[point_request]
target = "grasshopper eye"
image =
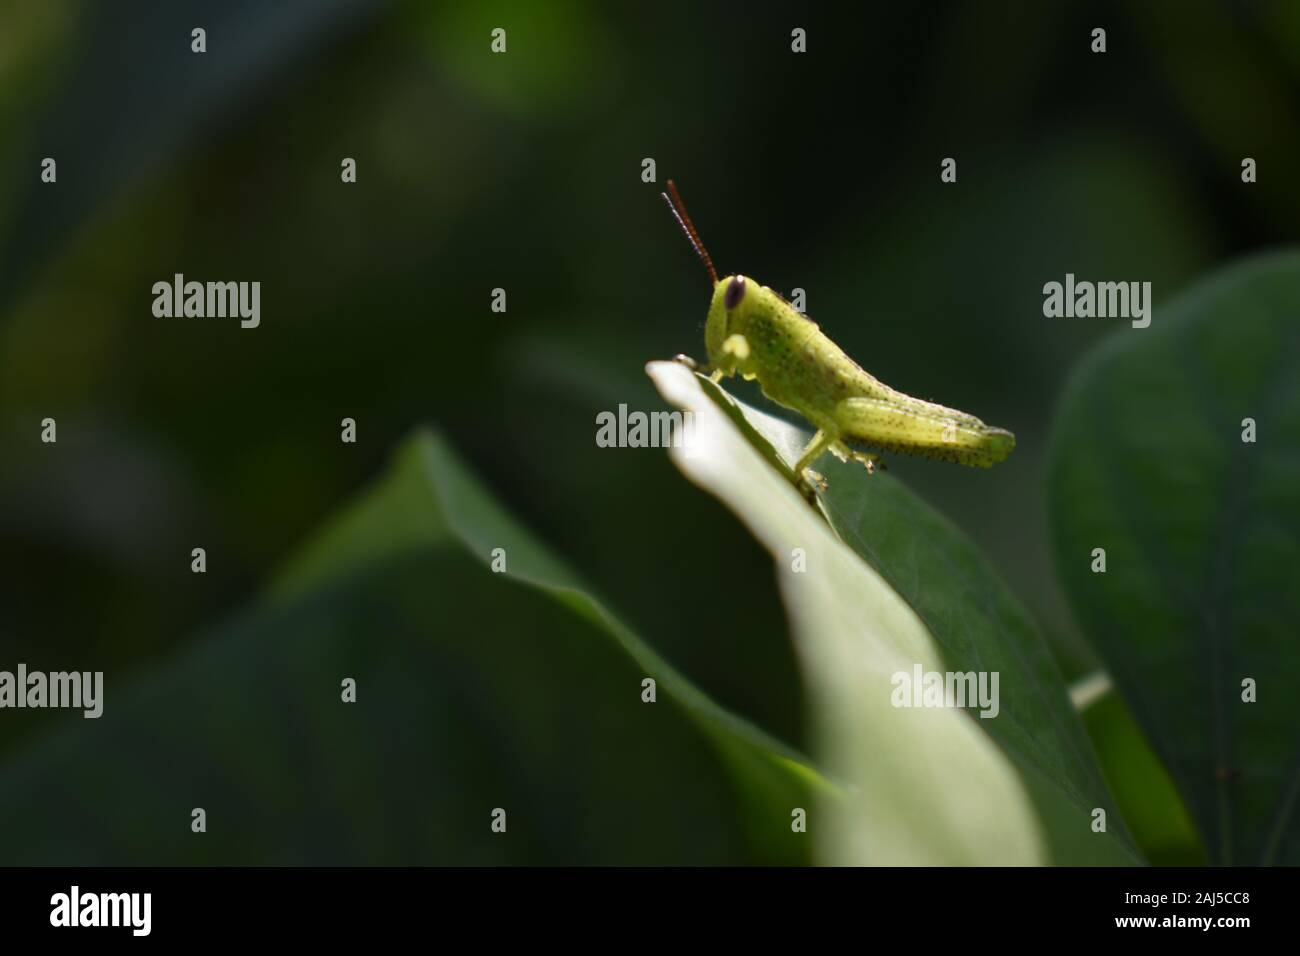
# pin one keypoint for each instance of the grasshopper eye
(735, 292)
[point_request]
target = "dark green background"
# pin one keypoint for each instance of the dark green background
(522, 171)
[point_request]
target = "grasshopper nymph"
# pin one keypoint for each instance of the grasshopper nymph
(752, 331)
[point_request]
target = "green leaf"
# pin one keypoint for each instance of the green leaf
(1146, 796)
(979, 625)
(475, 691)
(1201, 533)
(970, 622)
(924, 785)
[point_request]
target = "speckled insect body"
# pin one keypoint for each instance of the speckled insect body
(753, 332)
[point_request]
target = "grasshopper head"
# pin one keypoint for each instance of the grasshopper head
(732, 298)
(735, 298)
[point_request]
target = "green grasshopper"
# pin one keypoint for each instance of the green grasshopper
(752, 331)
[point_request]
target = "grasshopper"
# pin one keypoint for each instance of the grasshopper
(754, 332)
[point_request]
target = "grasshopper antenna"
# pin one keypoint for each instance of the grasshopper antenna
(674, 200)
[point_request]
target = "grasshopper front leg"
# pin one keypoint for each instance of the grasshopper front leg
(715, 374)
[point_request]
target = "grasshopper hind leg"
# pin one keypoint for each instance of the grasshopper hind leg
(810, 482)
(869, 460)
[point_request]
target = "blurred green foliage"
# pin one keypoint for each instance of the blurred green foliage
(474, 691)
(1201, 533)
(1151, 805)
